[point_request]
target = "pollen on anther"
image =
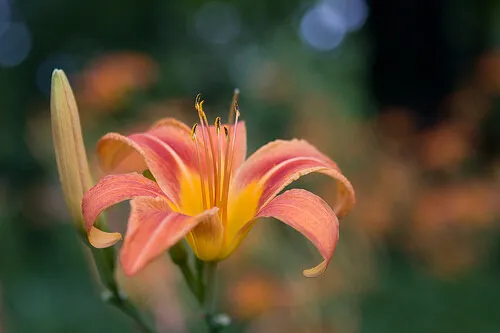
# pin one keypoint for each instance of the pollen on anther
(217, 124)
(198, 104)
(226, 131)
(193, 131)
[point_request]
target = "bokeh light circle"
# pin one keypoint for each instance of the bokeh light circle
(322, 28)
(15, 44)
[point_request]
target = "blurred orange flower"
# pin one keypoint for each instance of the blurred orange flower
(108, 79)
(255, 294)
(445, 147)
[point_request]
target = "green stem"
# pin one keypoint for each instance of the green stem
(128, 308)
(201, 282)
(179, 255)
(210, 290)
(210, 294)
(200, 269)
(104, 260)
(191, 282)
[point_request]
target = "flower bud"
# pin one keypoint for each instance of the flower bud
(71, 158)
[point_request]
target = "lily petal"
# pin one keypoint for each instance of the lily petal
(118, 156)
(311, 216)
(153, 228)
(207, 238)
(240, 146)
(111, 190)
(177, 135)
(101, 239)
(279, 163)
(166, 165)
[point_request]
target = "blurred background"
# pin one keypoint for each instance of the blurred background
(402, 94)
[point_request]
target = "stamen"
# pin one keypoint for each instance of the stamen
(204, 130)
(232, 107)
(219, 164)
(202, 172)
(225, 183)
(217, 124)
(213, 178)
(214, 163)
(193, 131)
(235, 131)
(198, 102)
(229, 160)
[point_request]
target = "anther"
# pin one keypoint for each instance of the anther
(193, 131)
(234, 103)
(217, 124)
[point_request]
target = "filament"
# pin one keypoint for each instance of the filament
(218, 186)
(204, 131)
(216, 174)
(212, 151)
(229, 161)
(202, 172)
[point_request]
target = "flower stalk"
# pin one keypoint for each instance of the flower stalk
(202, 284)
(210, 298)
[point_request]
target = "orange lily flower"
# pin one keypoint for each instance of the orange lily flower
(205, 190)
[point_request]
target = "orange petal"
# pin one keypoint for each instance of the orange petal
(119, 156)
(101, 239)
(153, 228)
(207, 238)
(311, 216)
(163, 161)
(279, 163)
(176, 135)
(113, 189)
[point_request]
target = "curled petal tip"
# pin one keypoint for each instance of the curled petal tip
(311, 216)
(316, 271)
(101, 239)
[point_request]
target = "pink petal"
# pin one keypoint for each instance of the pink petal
(279, 163)
(177, 135)
(119, 156)
(311, 216)
(113, 189)
(153, 228)
(161, 159)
